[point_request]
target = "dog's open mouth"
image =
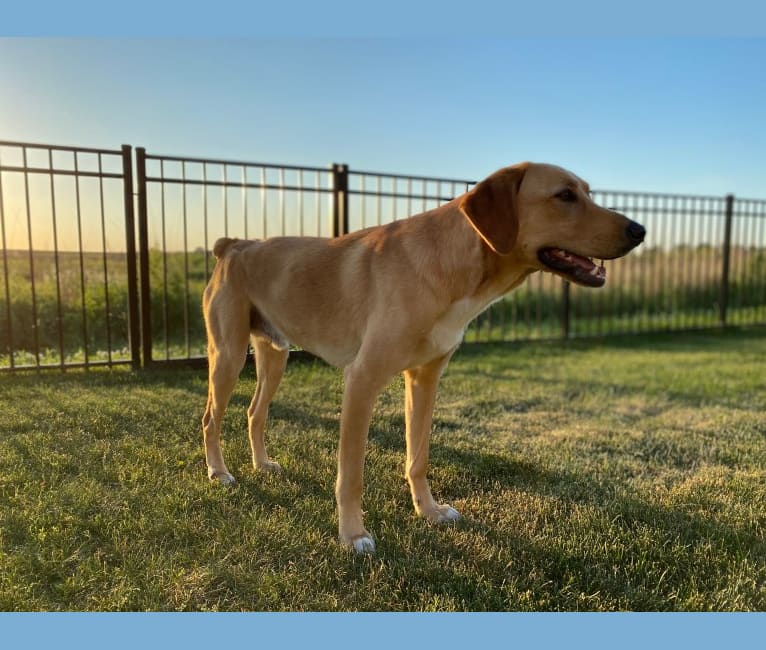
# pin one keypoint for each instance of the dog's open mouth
(575, 268)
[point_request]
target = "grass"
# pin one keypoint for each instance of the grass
(621, 474)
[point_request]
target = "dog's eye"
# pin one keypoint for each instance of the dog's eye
(568, 196)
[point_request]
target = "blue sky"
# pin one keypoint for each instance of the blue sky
(655, 114)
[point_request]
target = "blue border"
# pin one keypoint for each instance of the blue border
(364, 18)
(356, 18)
(384, 631)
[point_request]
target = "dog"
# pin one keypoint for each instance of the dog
(390, 299)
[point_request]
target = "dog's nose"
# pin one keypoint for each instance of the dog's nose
(635, 232)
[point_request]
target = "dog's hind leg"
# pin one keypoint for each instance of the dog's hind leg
(227, 347)
(270, 364)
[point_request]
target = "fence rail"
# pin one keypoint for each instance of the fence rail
(105, 253)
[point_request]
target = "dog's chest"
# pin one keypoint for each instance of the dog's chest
(448, 331)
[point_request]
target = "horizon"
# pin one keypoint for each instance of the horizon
(191, 204)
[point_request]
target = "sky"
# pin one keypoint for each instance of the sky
(648, 114)
(661, 114)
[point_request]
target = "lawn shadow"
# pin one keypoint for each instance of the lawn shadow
(476, 472)
(620, 510)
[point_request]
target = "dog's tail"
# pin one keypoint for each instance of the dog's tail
(222, 245)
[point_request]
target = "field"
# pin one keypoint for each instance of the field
(621, 474)
(86, 311)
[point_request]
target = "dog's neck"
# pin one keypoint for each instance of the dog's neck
(498, 275)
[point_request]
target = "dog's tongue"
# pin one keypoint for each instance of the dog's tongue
(584, 263)
(571, 258)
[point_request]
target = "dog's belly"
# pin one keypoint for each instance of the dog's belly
(339, 345)
(336, 350)
(338, 356)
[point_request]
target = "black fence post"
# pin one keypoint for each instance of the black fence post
(143, 245)
(565, 310)
(339, 200)
(134, 328)
(724, 297)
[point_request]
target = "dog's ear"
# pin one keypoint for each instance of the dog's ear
(492, 208)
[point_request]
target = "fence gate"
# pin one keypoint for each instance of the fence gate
(185, 204)
(68, 276)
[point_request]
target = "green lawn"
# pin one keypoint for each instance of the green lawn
(627, 473)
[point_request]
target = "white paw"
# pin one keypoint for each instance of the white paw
(363, 545)
(444, 514)
(269, 466)
(224, 478)
(450, 514)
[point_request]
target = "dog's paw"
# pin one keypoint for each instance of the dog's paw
(224, 478)
(449, 514)
(363, 545)
(268, 466)
(443, 514)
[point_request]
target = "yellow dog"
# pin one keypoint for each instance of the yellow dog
(390, 299)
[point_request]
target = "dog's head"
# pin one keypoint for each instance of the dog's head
(545, 216)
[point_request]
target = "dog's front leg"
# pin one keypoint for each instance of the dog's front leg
(419, 397)
(359, 396)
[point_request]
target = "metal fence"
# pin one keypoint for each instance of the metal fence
(69, 296)
(79, 290)
(185, 204)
